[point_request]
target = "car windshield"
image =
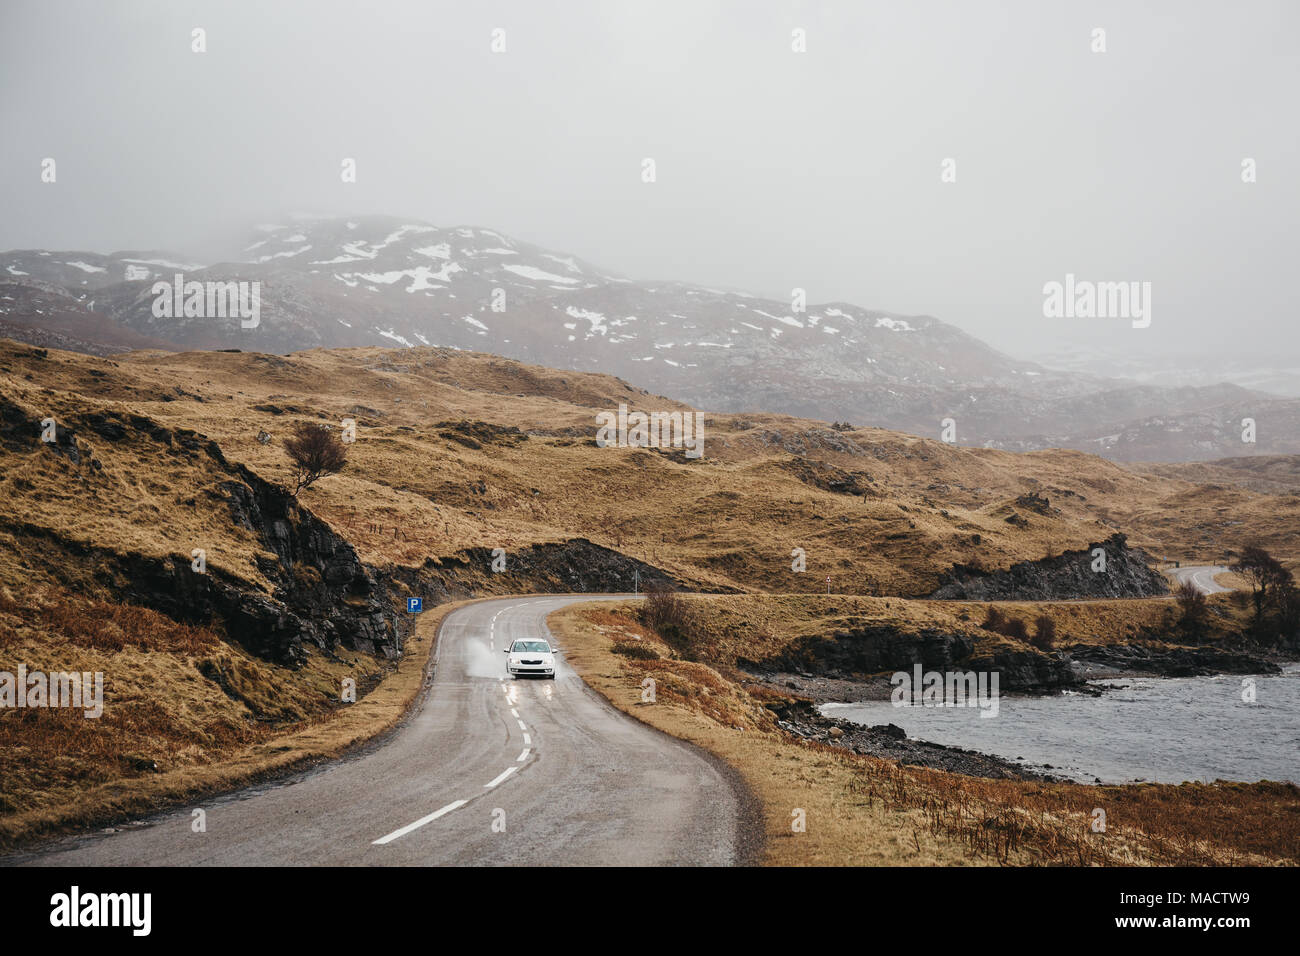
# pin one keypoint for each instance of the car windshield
(531, 647)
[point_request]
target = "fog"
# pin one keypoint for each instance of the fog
(775, 169)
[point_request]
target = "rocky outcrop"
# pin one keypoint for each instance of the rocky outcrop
(1066, 576)
(476, 434)
(320, 592)
(861, 652)
(826, 477)
(868, 650)
(576, 566)
(327, 595)
(1135, 659)
(1028, 671)
(345, 605)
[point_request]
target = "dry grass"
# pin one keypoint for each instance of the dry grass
(415, 483)
(725, 629)
(1192, 824)
(865, 811)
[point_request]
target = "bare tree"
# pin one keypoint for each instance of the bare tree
(1262, 570)
(315, 452)
(1272, 587)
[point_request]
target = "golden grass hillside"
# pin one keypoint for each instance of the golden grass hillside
(424, 479)
(728, 629)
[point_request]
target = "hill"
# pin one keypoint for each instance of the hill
(158, 457)
(384, 281)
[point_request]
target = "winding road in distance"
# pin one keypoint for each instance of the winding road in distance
(571, 779)
(1201, 577)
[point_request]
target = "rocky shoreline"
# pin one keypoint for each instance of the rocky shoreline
(800, 718)
(1141, 660)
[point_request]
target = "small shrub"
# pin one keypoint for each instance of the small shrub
(667, 613)
(635, 650)
(664, 608)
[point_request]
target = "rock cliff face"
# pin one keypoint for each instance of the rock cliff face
(859, 652)
(1066, 576)
(324, 594)
(575, 566)
(868, 650)
(321, 593)
(1028, 671)
(1172, 662)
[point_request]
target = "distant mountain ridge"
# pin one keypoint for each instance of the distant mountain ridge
(375, 280)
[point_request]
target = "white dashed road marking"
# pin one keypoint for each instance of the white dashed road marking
(509, 771)
(420, 822)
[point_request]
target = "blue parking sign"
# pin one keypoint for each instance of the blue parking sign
(415, 605)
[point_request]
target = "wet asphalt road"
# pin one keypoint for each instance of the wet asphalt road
(565, 778)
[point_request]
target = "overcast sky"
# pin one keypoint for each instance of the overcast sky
(775, 169)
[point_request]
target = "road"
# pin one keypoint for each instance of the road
(565, 777)
(1202, 576)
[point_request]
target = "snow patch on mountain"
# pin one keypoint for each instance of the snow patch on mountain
(390, 334)
(567, 261)
(595, 319)
(896, 325)
(532, 272)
